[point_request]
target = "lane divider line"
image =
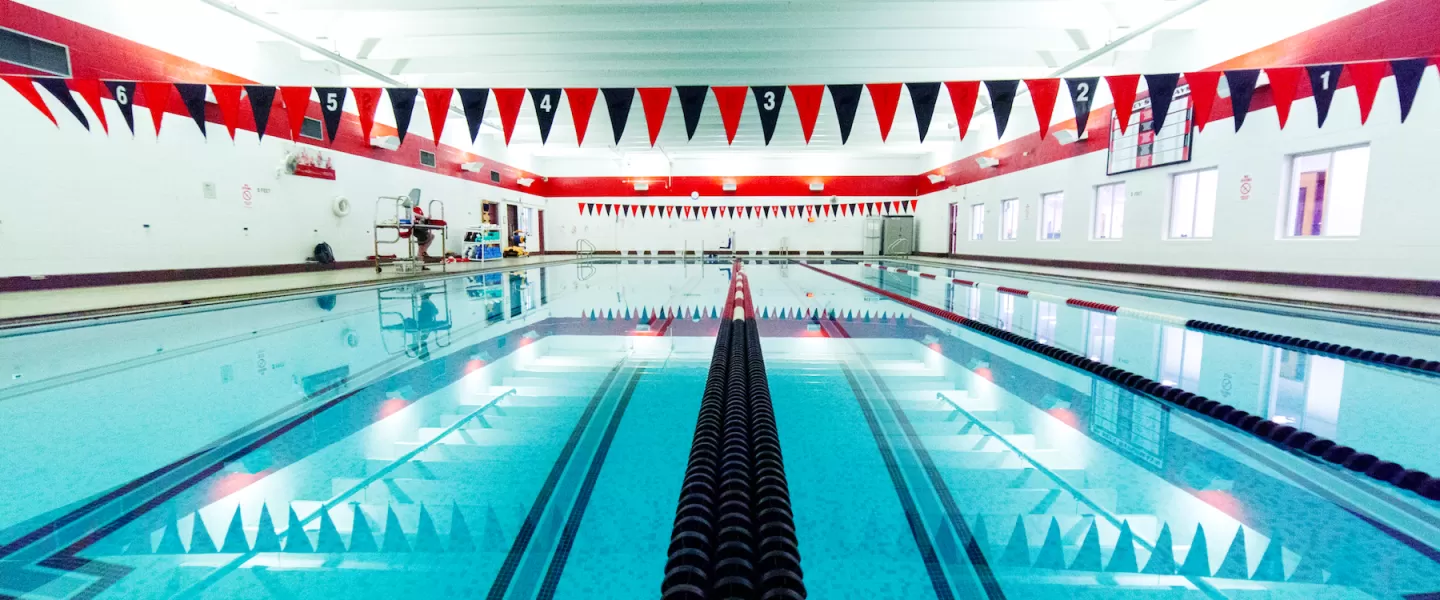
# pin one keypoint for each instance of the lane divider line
(1285, 436)
(1381, 359)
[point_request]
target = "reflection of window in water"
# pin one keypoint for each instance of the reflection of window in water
(1004, 310)
(1180, 357)
(1100, 337)
(1305, 390)
(1135, 425)
(1045, 318)
(973, 304)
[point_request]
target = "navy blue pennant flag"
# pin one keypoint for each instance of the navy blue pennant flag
(1408, 72)
(472, 102)
(1323, 80)
(847, 99)
(193, 96)
(1002, 97)
(1162, 92)
(767, 211)
(124, 94)
(57, 88)
(617, 102)
(332, 106)
(922, 99)
(547, 103)
(402, 101)
(768, 100)
(262, 99)
(1242, 89)
(1082, 96)
(692, 102)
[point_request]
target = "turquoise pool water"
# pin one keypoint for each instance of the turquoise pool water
(524, 435)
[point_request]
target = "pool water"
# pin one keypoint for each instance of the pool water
(524, 434)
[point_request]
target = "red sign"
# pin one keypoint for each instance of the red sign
(315, 165)
(314, 171)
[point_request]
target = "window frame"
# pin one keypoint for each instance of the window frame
(1285, 221)
(974, 235)
(1170, 205)
(1095, 212)
(1059, 218)
(1014, 205)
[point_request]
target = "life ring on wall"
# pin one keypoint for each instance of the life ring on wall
(341, 206)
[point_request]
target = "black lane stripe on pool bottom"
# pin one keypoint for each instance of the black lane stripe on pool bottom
(582, 500)
(527, 530)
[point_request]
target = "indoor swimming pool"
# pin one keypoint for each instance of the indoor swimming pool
(524, 434)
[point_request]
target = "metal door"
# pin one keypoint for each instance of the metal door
(898, 236)
(871, 245)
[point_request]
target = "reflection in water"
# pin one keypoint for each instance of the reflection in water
(1100, 337)
(412, 312)
(1180, 357)
(1137, 426)
(1045, 320)
(1305, 390)
(1004, 310)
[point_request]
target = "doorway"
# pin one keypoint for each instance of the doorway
(512, 220)
(954, 224)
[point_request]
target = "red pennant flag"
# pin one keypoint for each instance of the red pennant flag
(1203, 86)
(962, 96)
(670, 212)
(366, 99)
(582, 104)
(89, 89)
(26, 88)
(894, 207)
(582, 208)
(825, 209)
(652, 210)
(1042, 95)
(508, 99)
(914, 204)
(1283, 83)
(807, 103)
(841, 209)
(704, 212)
(297, 102)
(1122, 89)
(654, 101)
(885, 96)
(1367, 76)
(157, 97)
(635, 210)
(228, 97)
(437, 103)
(732, 103)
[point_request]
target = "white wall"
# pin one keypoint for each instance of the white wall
(1397, 237)
(80, 202)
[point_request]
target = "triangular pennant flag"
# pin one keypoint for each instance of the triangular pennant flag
(89, 90)
(1235, 565)
(1162, 93)
(394, 536)
(157, 97)
(200, 540)
(124, 94)
(1088, 558)
(807, 103)
(765, 210)
(1162, 559)
(669, 212)
(704, 212)
(1203, 86)
(547, 103)
(1408, 72)
(1323, 81)
(26, 88)
(1366, 77)
(731, 100)
(732, 212)
(1197, 561)
(329, 540)
(652, 210)
(402, 102)
(685, 212)
(582, 208)
(460, 539)
(332, 106)
(266, 540)
(297, 102)
(362, 538)
(192, 95)
(170, 539)
(747, 211)
(427, 539)
(1122, 559)
(852, 209)
(768, 100)
(509, 100)
(1082, 97)
(1122, 90)
(922, 99)
(235, 541)
(582, 104)
(1242, 88)
(1042, 95)
(437, 103)
(846, 98)
(625, 210)
(885, 97)
(366, 101)
(262, 100)
(472, 103)
(1002, 97)
(57, 88)
(655, 101)
(1284, 81)
(617, 102)
(1052, 552)
(635, 209)
(914, 204)
(692, 103)
(1272, 562)
(1017, 551)
(228, 98)
(963, 95)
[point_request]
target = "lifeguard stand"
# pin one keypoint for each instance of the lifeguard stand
(397, 214)
(414, 316)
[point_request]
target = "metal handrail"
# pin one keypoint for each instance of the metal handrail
(580, 249)
(893, 244)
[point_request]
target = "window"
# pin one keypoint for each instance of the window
(1109, 212)
(1045, 319)
(1051, 207)
(1180, 357)
(1192, 204)
(1009, 218)
(977, 222)
(1327, 193)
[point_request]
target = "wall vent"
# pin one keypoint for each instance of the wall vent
(494, 177)
(32, 52)
(427, 158)
(311, 129)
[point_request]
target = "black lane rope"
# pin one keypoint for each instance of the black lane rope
(1285, 436)
(734, 532)
(1379, 359)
